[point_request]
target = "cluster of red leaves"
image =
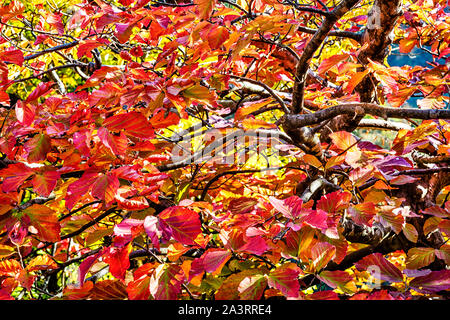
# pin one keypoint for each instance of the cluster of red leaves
(89, 166)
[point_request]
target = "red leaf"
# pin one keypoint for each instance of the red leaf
(182, 223)
(129, 228)
(117, 144)
(151, 227)
(249, 107)
(139, 289)
(12, 56)
(42, 262)
(45, 220)
(344, 140)
(363, 213)
(334, 202)
(118, 260)
(323, 295)
(391, 219)
(86, 46)
(217, 36)
(44, 183)
(4, 98)
(137, 51)
(135, 203)
(14, 176)
(355, 80)
(42, 89)
(25, 113)
(316, 219)
(86, 264)
(256, 245)
(54, 19)
(123, 31)
(242, 205)
(289, 208)
(407, 44)
(327, 64)
(214, 259)
(380, 268)
(4, 295)
(9, 268)
(134, 123)
(79, 188)
(401, 96)
(285, 279)
(410, 232)
(159, 119)
(403, 179)
(321, 254)
(105, 188)
(437, 212)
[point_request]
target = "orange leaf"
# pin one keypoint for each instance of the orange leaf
(328, 63)
(344, 140)
(419, 257)
(205, 8)
(250, 107)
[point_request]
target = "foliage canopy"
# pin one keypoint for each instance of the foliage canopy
(221, 149)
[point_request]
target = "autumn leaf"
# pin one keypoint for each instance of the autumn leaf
(380, 268)
(12, 56)
(38, 147)
(45, 183)
(328, 63)
(363, 213)
(285, 279)
(321, 254)
(105, 187)
(410, 232)
(231, 287)
(14, 176)
(118, 260)
(419, 257)
(45, 221)
(336, 279)
(433, 282)
(165, 282)
(252, 287)
(87, 46)
(133, 123)
(205, 8)
(249, 107)
(182, 223)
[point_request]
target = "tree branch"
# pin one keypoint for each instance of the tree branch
(301, 120)
(266, 87)
(318, 38)
(383, 124)
(334, 33)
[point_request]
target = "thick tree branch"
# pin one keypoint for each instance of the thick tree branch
(53, 49)
(301, 120)
(383, 124)
(308, 53)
